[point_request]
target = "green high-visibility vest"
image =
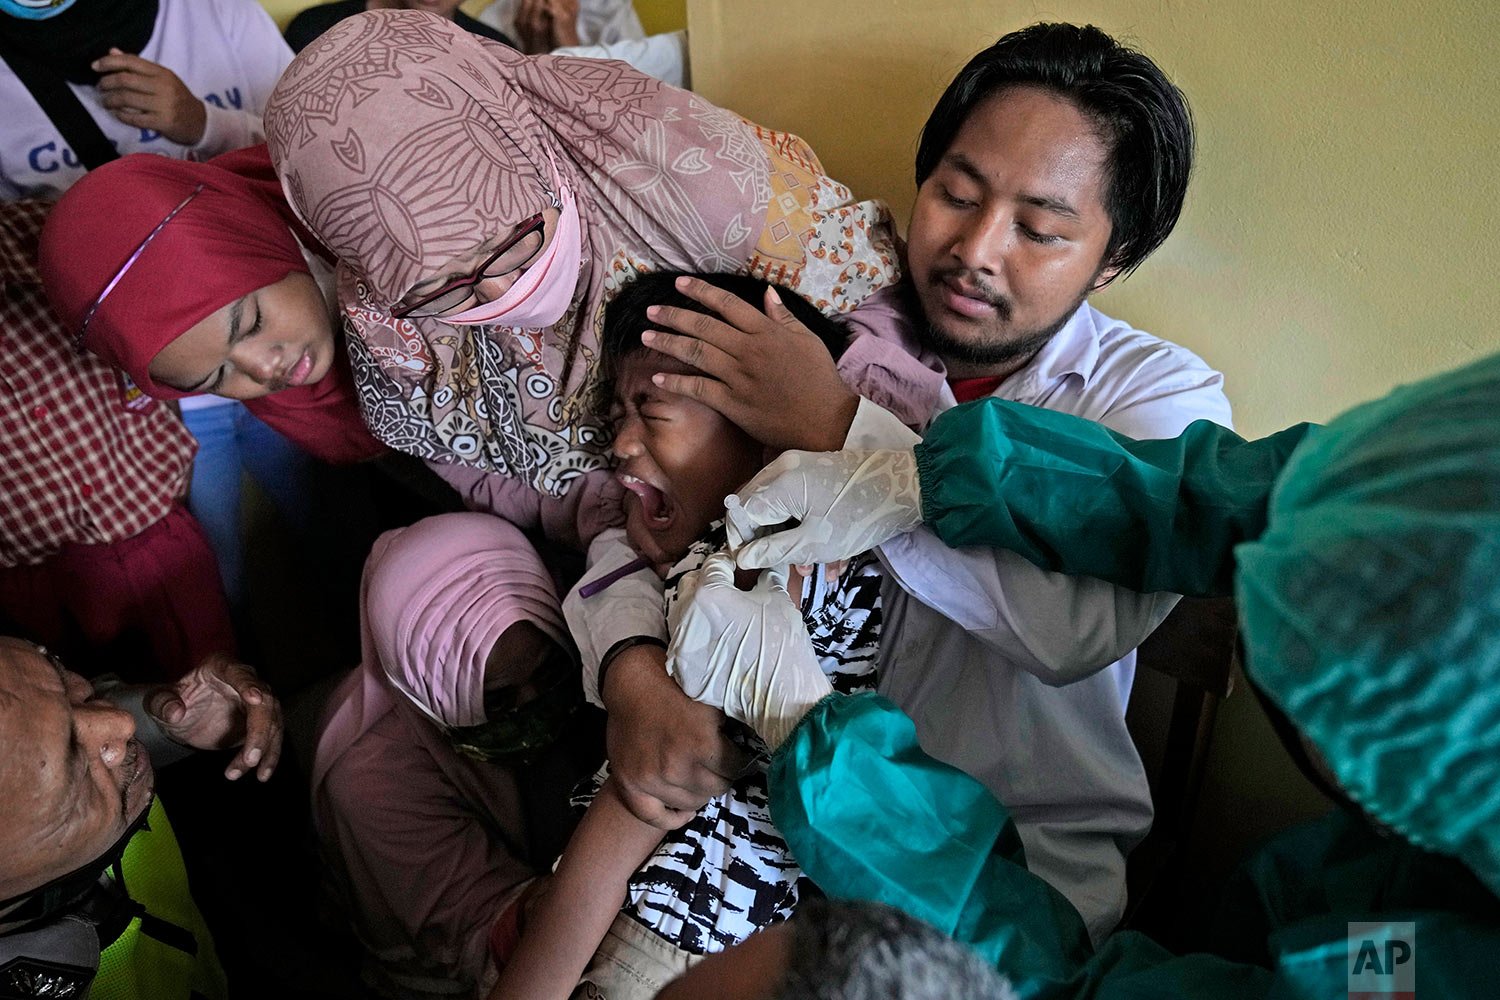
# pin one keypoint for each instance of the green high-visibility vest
(165, 953)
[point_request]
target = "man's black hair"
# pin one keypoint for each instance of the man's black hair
(869, 951)
(625, 316)
(1141, 116)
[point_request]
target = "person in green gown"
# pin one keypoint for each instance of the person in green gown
(1363, 558)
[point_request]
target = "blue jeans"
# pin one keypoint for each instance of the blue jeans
(231, 442)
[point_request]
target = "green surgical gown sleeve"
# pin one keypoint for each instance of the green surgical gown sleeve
(1074, 497)
(869, 816)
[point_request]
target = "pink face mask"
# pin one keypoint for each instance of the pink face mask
(544, 290)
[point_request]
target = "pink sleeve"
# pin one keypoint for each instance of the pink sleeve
(592, 503)
(885, 362)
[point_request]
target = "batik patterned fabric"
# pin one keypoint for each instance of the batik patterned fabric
(728, 873)
(404, 142)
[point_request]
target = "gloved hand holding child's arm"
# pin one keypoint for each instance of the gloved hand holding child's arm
(745, 652)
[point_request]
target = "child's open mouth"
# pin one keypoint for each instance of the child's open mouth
(657, 508)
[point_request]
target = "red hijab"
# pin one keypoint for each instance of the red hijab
(234, 236)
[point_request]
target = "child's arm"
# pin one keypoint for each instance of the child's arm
(580, 901)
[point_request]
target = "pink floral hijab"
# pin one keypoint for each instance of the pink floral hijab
(404, 142)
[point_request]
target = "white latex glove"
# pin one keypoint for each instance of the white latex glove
(745, 652)
(846, 502)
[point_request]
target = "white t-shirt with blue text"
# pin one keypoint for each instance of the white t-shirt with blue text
(228, 52)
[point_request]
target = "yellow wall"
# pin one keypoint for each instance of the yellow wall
(1342, 218)
(1338, 235)
(658, 16)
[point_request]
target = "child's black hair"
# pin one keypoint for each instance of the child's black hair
(625, 316)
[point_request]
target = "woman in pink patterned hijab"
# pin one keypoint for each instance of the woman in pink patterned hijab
(484, 205)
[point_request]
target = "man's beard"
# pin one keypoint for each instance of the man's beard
(985, 353)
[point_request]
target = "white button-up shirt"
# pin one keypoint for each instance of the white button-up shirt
(1019, 676)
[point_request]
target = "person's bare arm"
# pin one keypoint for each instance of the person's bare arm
(667, 753)
(579, 902)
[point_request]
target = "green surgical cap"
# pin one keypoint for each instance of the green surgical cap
(1371, 608)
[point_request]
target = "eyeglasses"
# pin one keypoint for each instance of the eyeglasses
(514, 254)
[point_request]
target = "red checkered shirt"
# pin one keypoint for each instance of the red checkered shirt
(84, 456)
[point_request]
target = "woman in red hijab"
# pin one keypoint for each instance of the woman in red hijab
(196, 278)
(190, 279)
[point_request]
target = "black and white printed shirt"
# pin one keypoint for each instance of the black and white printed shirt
(727, 873)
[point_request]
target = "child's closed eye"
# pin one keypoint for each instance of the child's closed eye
(656, 412)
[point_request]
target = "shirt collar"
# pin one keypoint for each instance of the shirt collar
(1074, 350)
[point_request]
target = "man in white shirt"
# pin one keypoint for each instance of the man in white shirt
(1056, 161)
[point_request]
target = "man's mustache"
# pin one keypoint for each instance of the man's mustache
(985, 292)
